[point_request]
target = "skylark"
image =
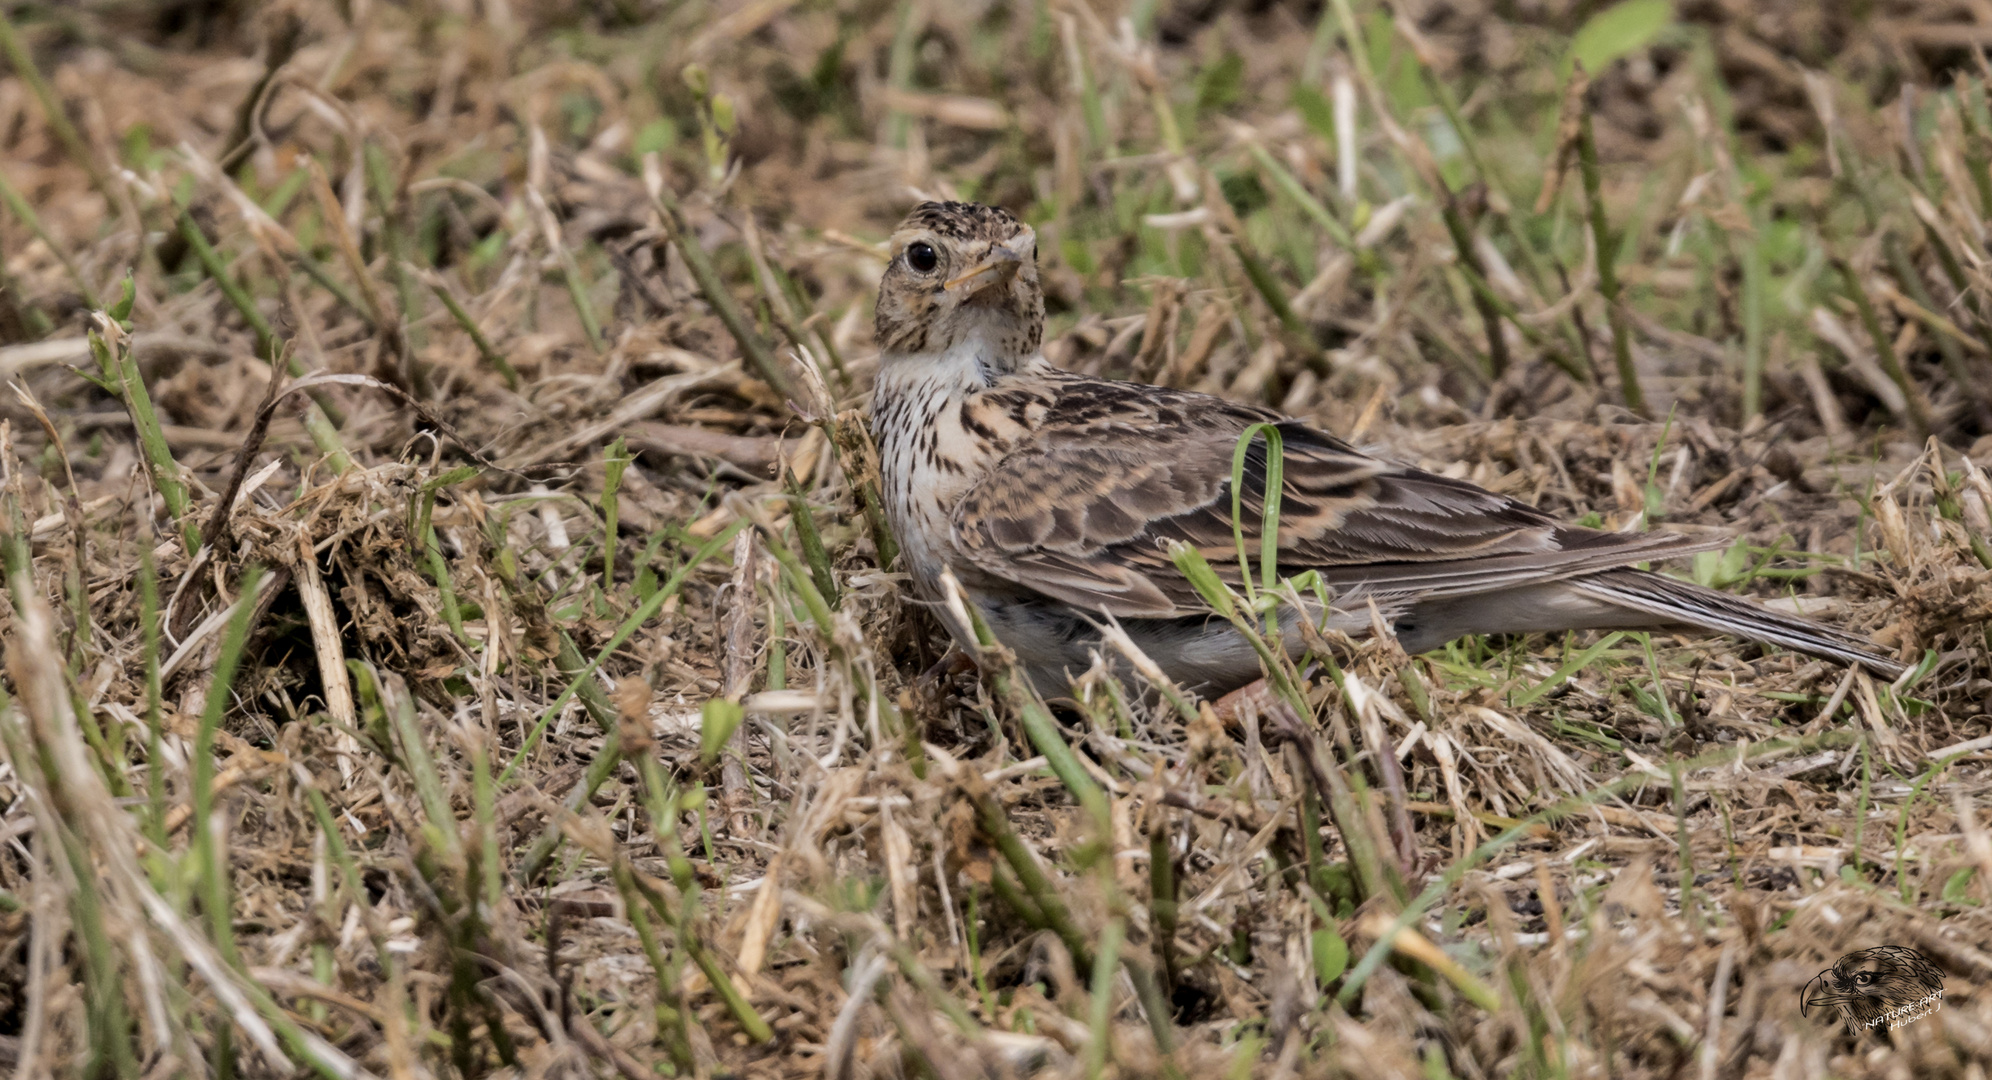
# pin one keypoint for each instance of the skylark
(1054, 497)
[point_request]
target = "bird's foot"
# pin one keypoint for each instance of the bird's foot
(928, 685)
(1256, 695)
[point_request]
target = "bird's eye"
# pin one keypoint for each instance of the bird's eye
(922, 258)
(1864, 978)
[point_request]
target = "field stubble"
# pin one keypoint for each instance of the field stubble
(517, 684)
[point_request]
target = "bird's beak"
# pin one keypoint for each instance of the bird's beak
(1825, 994)
(993, 272)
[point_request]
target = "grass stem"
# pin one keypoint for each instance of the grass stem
(1608, 280)
(463, 318)
(1884, 348)
(53, 112)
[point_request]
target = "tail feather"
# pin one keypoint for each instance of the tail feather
(1484, 574)
(1677, 601)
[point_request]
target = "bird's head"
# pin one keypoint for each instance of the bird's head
(1866, 984)
(960, 271)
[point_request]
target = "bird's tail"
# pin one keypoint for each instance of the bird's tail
(1676, 601)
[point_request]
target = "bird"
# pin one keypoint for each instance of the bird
(1871, 986)
(1055, 500)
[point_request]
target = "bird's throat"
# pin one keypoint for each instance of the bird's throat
(972, 362)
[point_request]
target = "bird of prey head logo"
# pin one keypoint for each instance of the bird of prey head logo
(1886, 985)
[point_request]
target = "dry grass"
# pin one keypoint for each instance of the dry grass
(515, 687)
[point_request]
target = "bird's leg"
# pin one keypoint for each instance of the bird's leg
(953, 662)
(1402, 834)
(1256, 694)
(927, 685)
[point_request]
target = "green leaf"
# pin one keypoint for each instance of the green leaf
(1954, 889)
(646, 574)
(1620, 29)
(716, 726)
(1203, 579)
(1275, 485)
(1721, 569)
(121, 311)
(451, 478)
(1315, 109)
(616, 460)
(1221, 84)
(1331, 956)
(1397, 70)
(1243, 191)
(657, 136)
(1570, 667)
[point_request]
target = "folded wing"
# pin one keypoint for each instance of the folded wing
(1083, 510)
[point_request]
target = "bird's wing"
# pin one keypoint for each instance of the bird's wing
(1106, 475)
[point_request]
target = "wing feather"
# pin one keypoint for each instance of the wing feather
(1085, 505)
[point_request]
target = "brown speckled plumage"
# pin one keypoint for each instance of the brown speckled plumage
(1054, 497)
